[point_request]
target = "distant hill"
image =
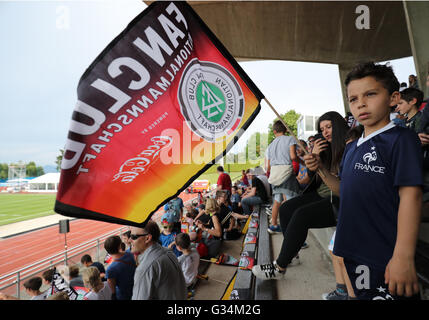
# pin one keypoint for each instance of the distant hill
(50, 168)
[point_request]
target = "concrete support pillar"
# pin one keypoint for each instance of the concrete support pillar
(344, 69)
(417, 18)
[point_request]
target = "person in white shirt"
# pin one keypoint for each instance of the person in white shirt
(98, 290)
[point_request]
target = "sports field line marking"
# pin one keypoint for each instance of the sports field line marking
(32, 215)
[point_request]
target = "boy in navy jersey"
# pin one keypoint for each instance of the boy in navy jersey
(381, 179)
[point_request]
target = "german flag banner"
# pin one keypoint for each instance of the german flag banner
(161, 104)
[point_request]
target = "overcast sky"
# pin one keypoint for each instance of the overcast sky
(47, 46)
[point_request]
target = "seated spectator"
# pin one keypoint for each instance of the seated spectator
(255, 195)
(75, 280)
(195, 204)
(167, 235)
(32, 287)
(210, 225)
(86, 261)
(224, 211)
(311, 140)
(47, 277)
(158, 275)
(120, 273)
(303, 177)
(244, 180)
(235, 200)
(127, 240)
(263, 177)
(98, 290)
(175, 208)
(189, 260)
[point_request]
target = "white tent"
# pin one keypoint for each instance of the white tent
(46, 183)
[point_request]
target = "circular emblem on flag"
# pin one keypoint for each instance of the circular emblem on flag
(210, 100)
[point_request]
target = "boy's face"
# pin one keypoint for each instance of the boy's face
(404, 106)
(370, 103)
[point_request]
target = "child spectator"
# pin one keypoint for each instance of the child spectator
(127, 241)
(98, 290)
(378, 223)
(280, 155)
(75, 280)
(303, 177)
(120, 273)
(47, 277)
(189, 260)
(311, 140)
(32, 287)
(167, 235)
(235, 200)
(86, 261)
(408, 106)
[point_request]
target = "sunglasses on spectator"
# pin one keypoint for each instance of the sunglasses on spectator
(136, 236)
(167, 227)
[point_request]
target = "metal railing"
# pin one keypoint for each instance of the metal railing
(17, 277)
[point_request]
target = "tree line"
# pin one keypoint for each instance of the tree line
(32, 170)
(259, 141)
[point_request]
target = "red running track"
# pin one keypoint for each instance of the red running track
(19, 251)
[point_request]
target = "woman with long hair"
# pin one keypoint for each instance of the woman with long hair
(312, 209)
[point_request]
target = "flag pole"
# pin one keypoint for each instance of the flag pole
(291, 133)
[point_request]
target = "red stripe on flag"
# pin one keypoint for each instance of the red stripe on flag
(235, 126)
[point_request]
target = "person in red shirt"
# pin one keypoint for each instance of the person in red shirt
(224, 180)
(244, 177)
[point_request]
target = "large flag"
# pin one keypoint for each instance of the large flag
(156, 108)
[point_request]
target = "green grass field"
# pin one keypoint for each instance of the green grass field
(20, 207)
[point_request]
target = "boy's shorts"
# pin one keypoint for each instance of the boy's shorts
(368, 283)
(279, 196)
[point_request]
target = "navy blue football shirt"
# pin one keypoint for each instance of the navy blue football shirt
(371, 172)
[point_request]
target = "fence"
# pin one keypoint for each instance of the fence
(18, 277)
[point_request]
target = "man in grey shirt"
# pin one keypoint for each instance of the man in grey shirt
(158, 275)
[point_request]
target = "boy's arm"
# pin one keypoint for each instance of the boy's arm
(400, 272)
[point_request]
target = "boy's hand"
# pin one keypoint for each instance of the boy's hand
(401, 277)
(312, 161)
(424, 138)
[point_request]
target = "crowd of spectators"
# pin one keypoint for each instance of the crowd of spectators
(301, 181)
(382, 146)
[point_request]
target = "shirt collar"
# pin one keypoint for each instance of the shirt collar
(363, 139)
